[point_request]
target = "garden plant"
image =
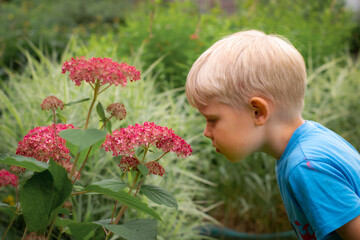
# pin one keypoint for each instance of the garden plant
(57, 154)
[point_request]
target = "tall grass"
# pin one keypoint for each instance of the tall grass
(20, 110)
(333, 97)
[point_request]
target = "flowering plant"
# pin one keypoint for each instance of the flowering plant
(53, 158)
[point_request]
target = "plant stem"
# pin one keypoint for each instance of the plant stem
(74, 165)
(121, 212)
(24, 235)
(9, 226)
(82, 166)
(55, 137)
(78, 193)
(160, 157)
(51, 229)
(113, 213)
(96, 93)
(105, 88)
(107, 119)
(59, 235)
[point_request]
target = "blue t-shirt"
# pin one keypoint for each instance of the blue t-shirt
(319, 181)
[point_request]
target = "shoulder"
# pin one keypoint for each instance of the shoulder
(317, 146)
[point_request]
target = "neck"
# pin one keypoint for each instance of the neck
(278, 135)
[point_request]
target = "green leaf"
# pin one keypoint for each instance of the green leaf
(109, 127)
(62, 187)
(159, 195)
(122, 197)
(100, 111)
(36, 200)
(83, 138)
(74, 150)
(76, 102)
(143, 169)
(139, 229)
(111, 184)
(4, 205)
(43, 195)
(25, 162)
(63, 222)
(82, 231)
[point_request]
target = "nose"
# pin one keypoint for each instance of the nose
(207, 132)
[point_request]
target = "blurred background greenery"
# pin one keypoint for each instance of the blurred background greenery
(163, 38)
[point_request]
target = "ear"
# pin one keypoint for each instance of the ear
(260, 110)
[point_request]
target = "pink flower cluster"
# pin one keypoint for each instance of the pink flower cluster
(40, 144)
(124, 141)
(7, 178)
(129, 163)
(52, 103)
(155, 168)
(102, 69)
(17, 170)
(117, 110)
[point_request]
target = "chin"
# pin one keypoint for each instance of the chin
(234, 159)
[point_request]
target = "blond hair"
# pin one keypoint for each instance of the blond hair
(248, 64)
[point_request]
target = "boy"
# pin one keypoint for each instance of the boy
(250, 88)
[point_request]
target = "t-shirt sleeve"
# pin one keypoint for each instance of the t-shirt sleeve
(325, 194)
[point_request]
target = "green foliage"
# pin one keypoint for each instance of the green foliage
(122, 197)
(21, 161)
(50, 24)
(43, 195)
(83, 138)
(332, 97)
(159, 195)
(168, 31)
(131, 229)
(316, 28)
(180, 32)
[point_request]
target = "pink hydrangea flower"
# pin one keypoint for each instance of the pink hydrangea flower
(52, 103)
(117, 110)
(7, 178)
(40, 144)
(155, 168)
(124, 141)
(102, 69)
(128, 163)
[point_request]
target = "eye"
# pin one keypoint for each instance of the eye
(211, 120)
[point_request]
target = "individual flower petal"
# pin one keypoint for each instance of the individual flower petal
(124, 141)
(103, 69)
(117, 110)
(52, 103)
(7, 178)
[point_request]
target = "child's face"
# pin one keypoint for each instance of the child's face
(233, 133)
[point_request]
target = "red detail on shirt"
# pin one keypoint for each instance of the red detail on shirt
(304, 232)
